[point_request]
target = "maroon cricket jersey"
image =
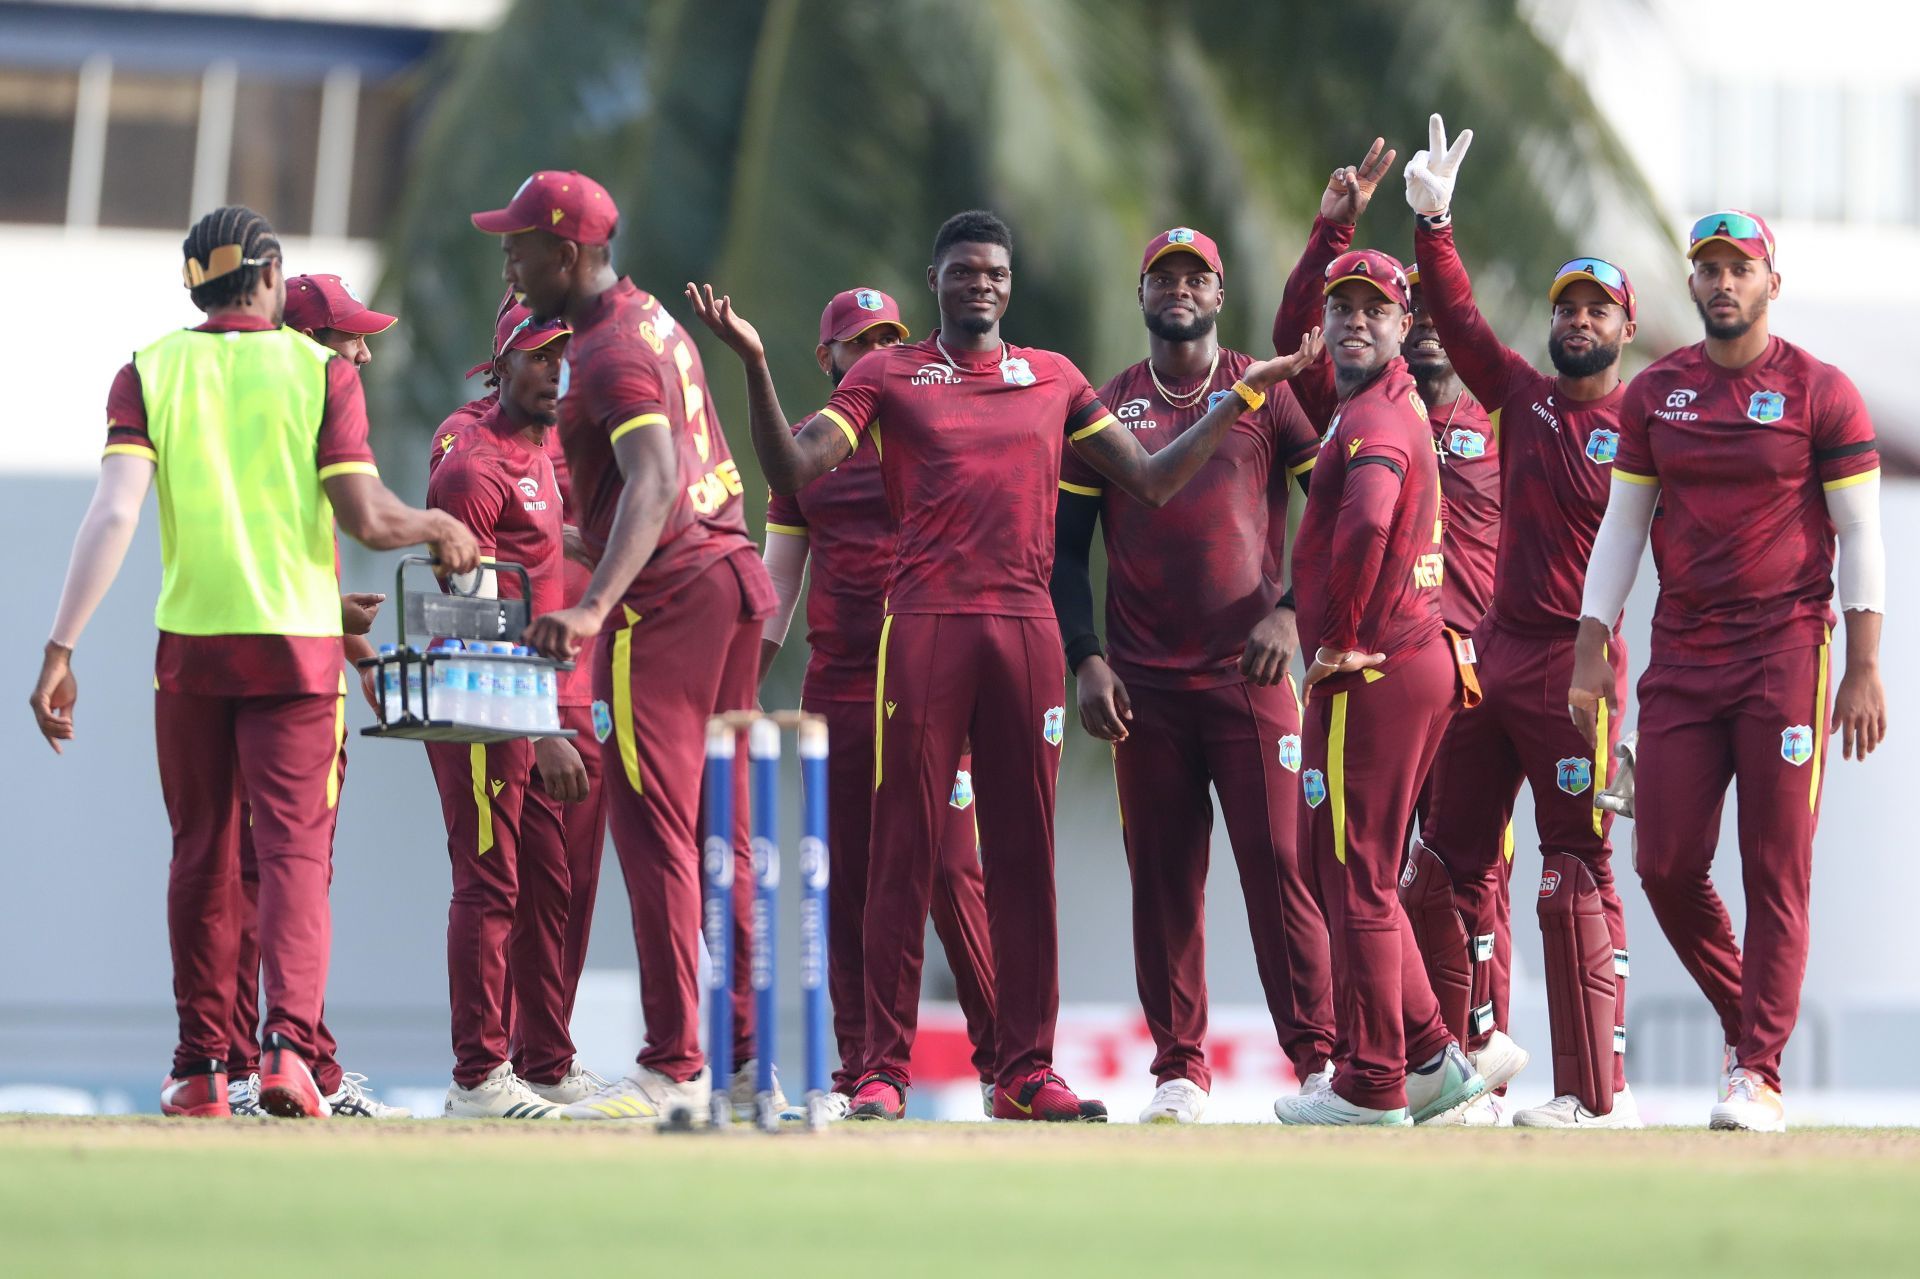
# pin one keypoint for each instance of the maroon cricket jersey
(249, 665)
(1741, 536)
(575, 686)
(1556, 454)
(629, 367)
(1187, 582)
(501, 486)
(970, 456)
(1367, 569)
(1469, 452)
(850, 541)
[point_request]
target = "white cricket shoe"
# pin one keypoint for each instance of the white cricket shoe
(353, 1101)
(1488, 1111)
(1568, 1111)
(501, 1095)
(832, 1107)
(650, 1097)
(1318, 1082)
(1500, 1060)
(743, 1090)
(243, 1098)
(986, 1098)
(1728, 1063)
(1444, 1082)
(577, 1084)
(1749, 1106)
(1329, 1109)
(1178, 1101)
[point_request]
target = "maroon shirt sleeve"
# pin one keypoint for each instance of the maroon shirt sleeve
(1301, 309)
(621, 384)
(127, 414)
(472, 492)
(1086, 414)
(856, 401)
(1844, 445)
(343, 424)
(1488, 366)
(1634, 460)
(1359, 543)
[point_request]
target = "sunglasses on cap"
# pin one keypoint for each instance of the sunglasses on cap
(1731, 224)
(1605, 273)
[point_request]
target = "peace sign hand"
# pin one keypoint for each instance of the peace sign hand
(1430, 174)
(1350, 188)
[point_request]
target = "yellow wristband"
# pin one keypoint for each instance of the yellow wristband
(1253, 398)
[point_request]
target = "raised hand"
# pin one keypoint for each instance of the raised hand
(717, 313)
(1430, 174)
(1266, 373)
(1351, 188)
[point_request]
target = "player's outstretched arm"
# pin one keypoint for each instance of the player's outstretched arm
(99, 548)
(791, 461)
(1349, 190)
(1153, 478)
(380, 521)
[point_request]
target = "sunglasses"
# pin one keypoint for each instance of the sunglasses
(1609, 275)
(1731, 224)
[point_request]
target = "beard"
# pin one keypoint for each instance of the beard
(975, 325)
(1728, 330)
(1167, 331)
(1597, 358)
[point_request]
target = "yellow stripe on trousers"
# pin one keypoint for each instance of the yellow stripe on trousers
(623, 699)
(1819, 722)
(339, 744)
(1337, 776)
(482, 803)
(1599, 761)
(880, 700)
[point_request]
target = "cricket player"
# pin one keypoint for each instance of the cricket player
(325, 309)
(257, 438)
(969, 649)
(1748, 458)
(840, 525)
(1558, 436)
(1197, 692)
(677, 595)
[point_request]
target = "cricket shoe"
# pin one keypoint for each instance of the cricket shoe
(1749, 1106)
(1178, 1101)
(649, 1096)
(352, 1101)
(1445, 1082)
(243, 1098)
(832, 1107)
(1043, 1095)
(1568, 1111)
(286, 1085)
(1318, 1082)
(1488, 1110)
(745, 1092)
(501, 1095)
(1728, 1064)
(878, 1096)
(986, 1097)
(197, 1094)
(1328, 1109)
(1500, 1060)
(577, 1084)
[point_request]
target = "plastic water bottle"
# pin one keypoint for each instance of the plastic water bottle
(389, 684)
(502, 706)
(415, 677)
(448, 698)
(526, 691)
(546, 692)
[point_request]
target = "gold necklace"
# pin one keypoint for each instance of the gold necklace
(1206, 383)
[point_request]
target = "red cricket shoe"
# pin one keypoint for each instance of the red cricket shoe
(1044, 1095)
(200, 1093)
(878, 1096)
(286, 1085)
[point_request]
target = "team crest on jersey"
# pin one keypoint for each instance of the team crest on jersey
(962, 789)
(1180, 235)
(1796, 744)
(566, 376)
(602, 722)
(1573, 775)
(1603, 446)
(1467, 443)
(1766, 406)
(1314, 783)
(934, 375)
(1015, 370)
(1290, 752)
(867, 300)
(1053, 725)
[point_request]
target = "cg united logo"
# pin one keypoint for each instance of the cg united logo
(1766, 406)
(1290, 752)
(962, 789)
(528, 485)
(1053, 725)
(930, 375)
(1573, 775)
(1603, 446)
(1796, 744)
(1467, 444)
(1134, 414)
(1681, 398)
(866, 299)
(1314, 783)
(813, 864)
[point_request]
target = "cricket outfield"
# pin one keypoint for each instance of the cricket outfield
(152, 1196)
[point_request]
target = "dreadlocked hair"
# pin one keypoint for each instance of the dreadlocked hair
(233, 224)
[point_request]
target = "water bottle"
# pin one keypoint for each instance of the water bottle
(526, 691)
(447, 703)
(502, 705)
(389, 685)
(546, 694)
(415, 676)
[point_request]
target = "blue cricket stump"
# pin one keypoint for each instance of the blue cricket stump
(716, 917)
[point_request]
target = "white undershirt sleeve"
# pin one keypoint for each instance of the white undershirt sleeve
(786, 560)
(1617, 547)
(100, 546)
(1855, 512)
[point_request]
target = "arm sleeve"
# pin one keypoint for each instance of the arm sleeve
(127, 416)
(1855, 512)
(1072, 582)
(100, 546)
(1301, 309)
(1615, 560)
(1487, 366)
(343, 447)
(786, 560)
(856, 401)
(1845, 449)
(1359, 544)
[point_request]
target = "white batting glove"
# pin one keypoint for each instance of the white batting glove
(1430, 173)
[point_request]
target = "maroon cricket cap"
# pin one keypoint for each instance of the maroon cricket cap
(316, 302)
(852, 313)
(569, 204)
(517, 330)
(1182, 239)
(1371, 266)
